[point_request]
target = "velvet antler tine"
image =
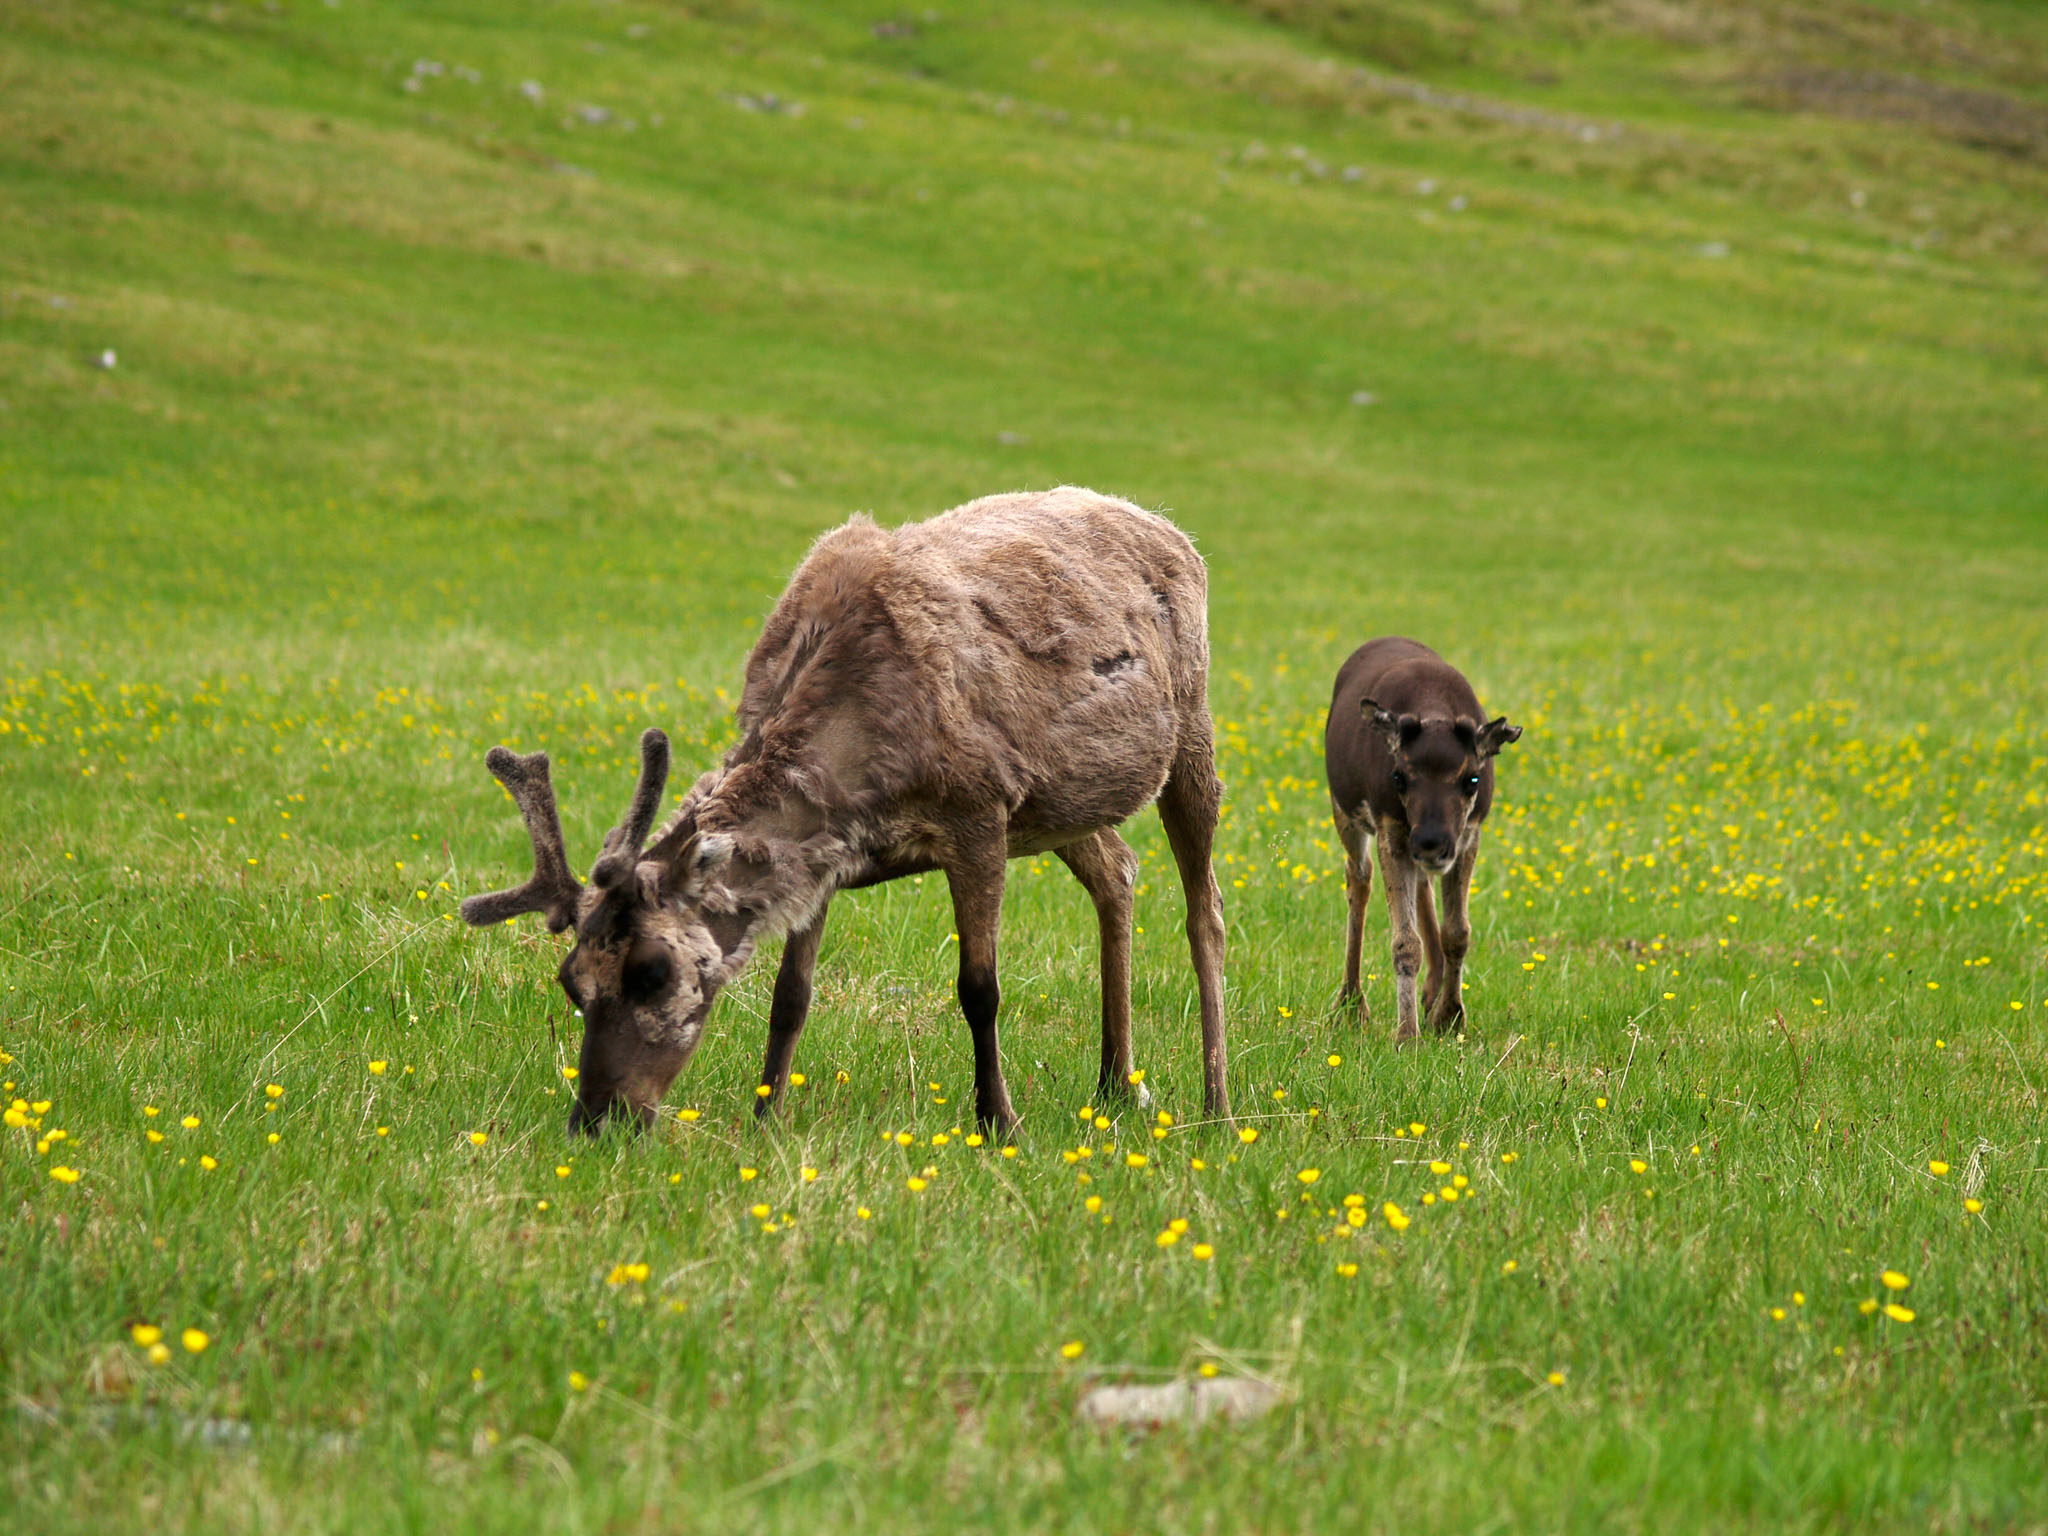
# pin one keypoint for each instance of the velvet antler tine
(623, 845)
(551, 890)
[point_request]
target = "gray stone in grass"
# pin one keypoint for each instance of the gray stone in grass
(105, 360)
(1363, 397)
(1194, 1402)
(533, 91)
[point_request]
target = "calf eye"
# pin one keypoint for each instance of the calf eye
(1400, 782)
(647, 974)
(1471, 784)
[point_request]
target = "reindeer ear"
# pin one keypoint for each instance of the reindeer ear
(690, 860)
(1497, 733)
(1381, 721)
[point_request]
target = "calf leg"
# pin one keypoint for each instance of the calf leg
(976, 879)
(1432, 942)
(788, 1010)
(1402, 878)
(1108, 872)
(1447, 1011)
(1188, 809)
(1358, 894)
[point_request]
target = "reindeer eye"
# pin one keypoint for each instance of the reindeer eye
(1400, 782)
(647, 974)
(1471, 784)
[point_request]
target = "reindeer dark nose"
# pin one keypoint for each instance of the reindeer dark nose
(1430, 847)
(588, 1119)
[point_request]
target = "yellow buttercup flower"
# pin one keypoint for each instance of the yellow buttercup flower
(1897, 1313)
(1894, 1281)
(145, 1334)
(194, 1340)
(1071, 1350)
(1395, 1217)
(64, 1175)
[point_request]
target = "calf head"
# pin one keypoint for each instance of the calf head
(1442, 774)
(656, 937)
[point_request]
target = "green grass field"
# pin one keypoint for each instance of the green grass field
(480, 373)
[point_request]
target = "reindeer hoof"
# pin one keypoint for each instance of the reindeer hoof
(1110, 1089)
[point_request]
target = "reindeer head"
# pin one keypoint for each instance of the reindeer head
(1441, 771)
(656, 937)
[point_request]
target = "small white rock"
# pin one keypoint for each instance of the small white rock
(105, 359)
(1198, 1401)
(1363, 397)
(533, 91)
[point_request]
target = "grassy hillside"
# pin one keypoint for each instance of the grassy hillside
(380, 382)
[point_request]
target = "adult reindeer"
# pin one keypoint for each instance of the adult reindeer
(1013, 677)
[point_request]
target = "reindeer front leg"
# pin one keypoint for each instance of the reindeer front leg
(1456, 936)
(1401, 877)
(788, 1010)
(1358, 855)
(976, 879)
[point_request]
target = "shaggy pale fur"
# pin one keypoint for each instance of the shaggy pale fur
(1015, 676)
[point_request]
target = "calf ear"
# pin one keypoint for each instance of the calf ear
(1399, 730)
(1497, 733)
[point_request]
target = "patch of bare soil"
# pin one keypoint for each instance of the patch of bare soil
(1983, 119)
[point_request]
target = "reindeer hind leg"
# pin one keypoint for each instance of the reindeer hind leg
(1108, 871)
(1188, 809)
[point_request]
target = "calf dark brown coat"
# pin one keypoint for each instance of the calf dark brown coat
(1409, 754)
(1016, 676)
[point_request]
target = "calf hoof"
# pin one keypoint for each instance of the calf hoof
(1111, 1090)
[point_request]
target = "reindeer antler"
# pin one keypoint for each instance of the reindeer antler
(552, 890)
(623, 843)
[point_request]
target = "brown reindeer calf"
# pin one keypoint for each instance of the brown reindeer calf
(1409, 754)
